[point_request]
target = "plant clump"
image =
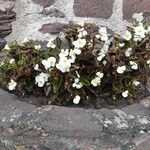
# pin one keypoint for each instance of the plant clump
(92, 64)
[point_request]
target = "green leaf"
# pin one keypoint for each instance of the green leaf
(132, 92)
(29, 88)
(118, 87)
(84, 81)
(58, 42)
(48, 90)
(57, 83)
(14, 44)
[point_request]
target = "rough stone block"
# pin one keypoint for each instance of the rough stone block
(53, 28)
(93, 8)
(136, 6)
(44, 3)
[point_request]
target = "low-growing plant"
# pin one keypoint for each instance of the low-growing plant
(92, 64)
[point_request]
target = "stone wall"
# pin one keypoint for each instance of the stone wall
(42, 19)
(6, 17)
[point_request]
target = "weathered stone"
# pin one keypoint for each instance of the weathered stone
(143, 143)
(53, 28)
(70, 128)
(148, 85)
(44, 3)
(10, 109)
(53, 13)
(6, 5)
(6, 17)
(5, 30)
(93, 8)
(2, 43)
(31, 17)
(136, 6)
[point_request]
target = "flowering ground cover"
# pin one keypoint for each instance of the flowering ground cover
(86, 65)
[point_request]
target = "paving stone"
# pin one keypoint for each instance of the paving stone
(93, 8)
(6, 17)
(44, 3)
(137, 109)
(2, 43)
(53, 13)
(135, 6)
(143, 143)
(53, 28)
(6, 5)
(11, 108)
(148, 85)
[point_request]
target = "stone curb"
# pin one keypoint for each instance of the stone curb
(119, 126)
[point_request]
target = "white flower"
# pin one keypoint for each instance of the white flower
(105, 48)
(50, 44)
(103, 52)
(139, 32)
(64, 53)
(81, 23)
(97, 36)
(77, 84)
(101, 56)
(77, 99)
(50, 62)
(82, 33)
(148, 30)
(2, 63)
(41, 79)
(138, 16)
(37, 47)
(96, 81)
(134, 65)
(103, 33)
(64, 64)
(72, 56)
(127, 35)
(125, 94)
(136, 83)
(148, 62)
(79, 43)
(77, 51)
(25, 40)
(7, 48)
(11, 61)
(12, 85)
(100, 75)
(36, 67)
(121, 44)
(77, 74)
(104, 62)
(121, 69)
(128, 52)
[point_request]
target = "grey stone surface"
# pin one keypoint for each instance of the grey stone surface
(143, 143)
(148, 85)
(30, 17)
(6, 17)
(93, 8)
(56, 128)
(11, 108)
(136, 6)
(27, 127)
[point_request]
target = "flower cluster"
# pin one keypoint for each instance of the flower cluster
(97, 80)
(92, 63)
